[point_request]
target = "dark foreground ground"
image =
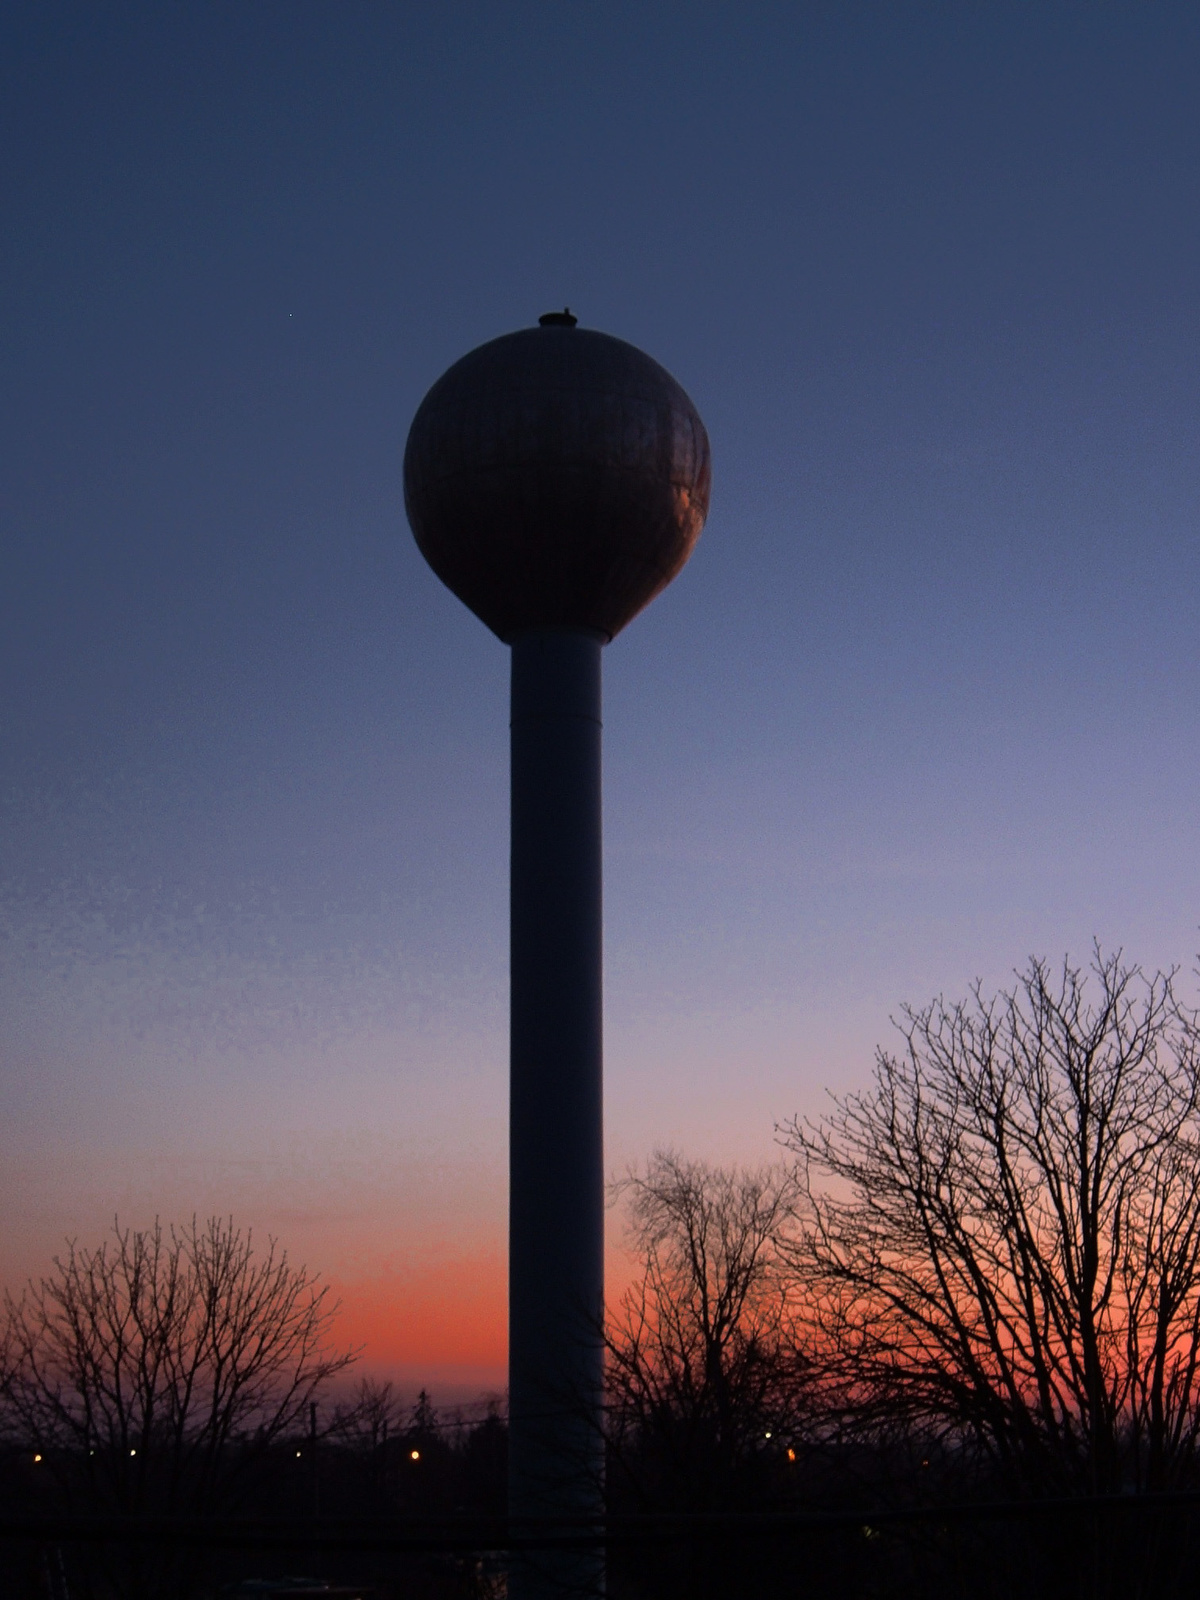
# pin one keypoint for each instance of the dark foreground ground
(420, 1517)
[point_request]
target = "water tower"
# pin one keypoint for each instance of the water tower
(556, 479)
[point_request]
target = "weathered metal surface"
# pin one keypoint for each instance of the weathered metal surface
(556, 478)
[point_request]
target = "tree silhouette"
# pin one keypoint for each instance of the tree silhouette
(703, 1372)
(149, 1372)
(1003, 1236)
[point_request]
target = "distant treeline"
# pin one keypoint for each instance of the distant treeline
(949, 1343)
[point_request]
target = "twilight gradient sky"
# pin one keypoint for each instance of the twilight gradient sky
(927, 699)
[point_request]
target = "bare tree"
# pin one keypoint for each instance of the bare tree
(364, 1422)
(1003, 1237)
(147, 1371)
(702, 1367)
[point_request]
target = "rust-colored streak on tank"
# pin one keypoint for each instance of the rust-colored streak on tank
(556, 478)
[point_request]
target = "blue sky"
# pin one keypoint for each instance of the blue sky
(924, 702)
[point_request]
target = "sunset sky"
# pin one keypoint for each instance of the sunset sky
(925, 702)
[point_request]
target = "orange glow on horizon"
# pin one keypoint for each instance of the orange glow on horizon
(438, 1314)
(451, 1313)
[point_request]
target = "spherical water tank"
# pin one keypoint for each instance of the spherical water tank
(556, 478)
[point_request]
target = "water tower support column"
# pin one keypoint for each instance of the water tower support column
(556, 1151)
(556, 480)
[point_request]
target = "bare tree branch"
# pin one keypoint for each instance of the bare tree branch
(1002, 1237)
(161, 1362)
